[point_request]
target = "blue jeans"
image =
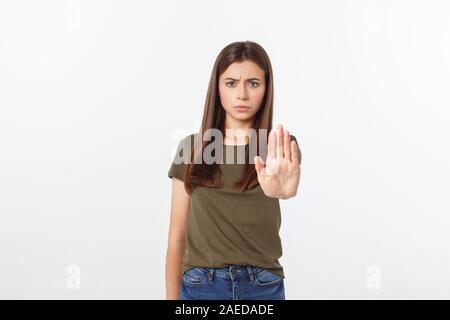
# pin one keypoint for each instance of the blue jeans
(235, 282)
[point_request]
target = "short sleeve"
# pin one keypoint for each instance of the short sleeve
(298, 149)
(177, 166)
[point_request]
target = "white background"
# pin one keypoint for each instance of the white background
(95, 95)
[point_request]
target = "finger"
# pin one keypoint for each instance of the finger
(287, 145)
(280, 141)
(294, 153)
(259, 164)
(271, 144)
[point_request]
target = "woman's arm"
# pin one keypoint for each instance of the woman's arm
(177, 240)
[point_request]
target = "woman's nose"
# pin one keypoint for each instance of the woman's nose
(242, 93)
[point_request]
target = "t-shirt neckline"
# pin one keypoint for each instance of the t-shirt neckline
(235, 145)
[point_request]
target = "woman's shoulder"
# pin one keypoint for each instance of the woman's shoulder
(188, 139)
(299, 152)
(293, 137)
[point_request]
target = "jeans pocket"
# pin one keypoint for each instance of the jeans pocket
(195, 277)
(264, 277)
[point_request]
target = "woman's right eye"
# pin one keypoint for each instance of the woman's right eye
(229, 82)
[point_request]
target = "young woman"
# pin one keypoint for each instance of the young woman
(225, 217)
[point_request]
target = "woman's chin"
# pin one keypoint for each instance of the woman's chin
(242, 115)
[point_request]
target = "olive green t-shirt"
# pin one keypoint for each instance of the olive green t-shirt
(228, 227)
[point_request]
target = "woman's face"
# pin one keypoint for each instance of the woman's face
(242, 83)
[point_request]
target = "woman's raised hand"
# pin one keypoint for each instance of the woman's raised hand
(280, 175)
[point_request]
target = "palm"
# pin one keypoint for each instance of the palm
(279, 176)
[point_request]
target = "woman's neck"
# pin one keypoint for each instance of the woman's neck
(236, 132)
(236, 136)
(235, 141)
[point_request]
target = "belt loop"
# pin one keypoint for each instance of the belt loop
(210, 274)
(230, 271)
(250, 272)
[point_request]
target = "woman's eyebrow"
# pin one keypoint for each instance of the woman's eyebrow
(238, 79)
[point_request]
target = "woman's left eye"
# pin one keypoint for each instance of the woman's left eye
(254, 84)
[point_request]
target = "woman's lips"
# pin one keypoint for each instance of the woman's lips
(242, 109)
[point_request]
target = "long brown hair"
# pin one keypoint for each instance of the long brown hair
(209, 175)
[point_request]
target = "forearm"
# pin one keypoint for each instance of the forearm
(282, 193)
(174, 262)
(287, 195)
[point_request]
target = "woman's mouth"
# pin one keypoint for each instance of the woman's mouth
(242, 108)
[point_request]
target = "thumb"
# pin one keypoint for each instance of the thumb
(259, 164)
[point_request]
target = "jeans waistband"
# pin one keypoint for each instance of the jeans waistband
(233, 271)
